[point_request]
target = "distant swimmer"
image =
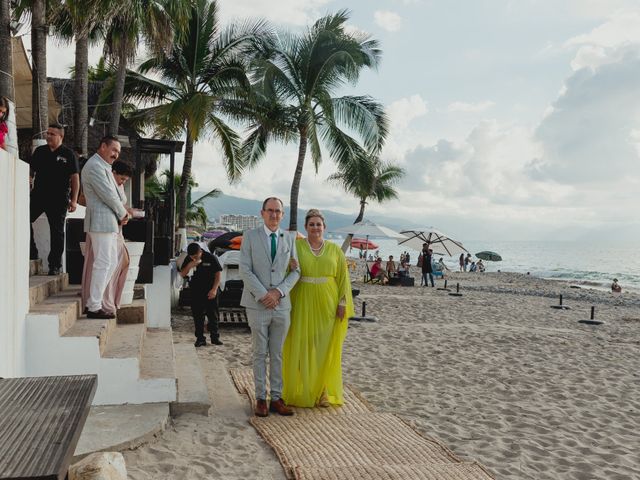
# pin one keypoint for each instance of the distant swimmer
(615, 287)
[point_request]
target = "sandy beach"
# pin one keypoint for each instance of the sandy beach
(496, 375)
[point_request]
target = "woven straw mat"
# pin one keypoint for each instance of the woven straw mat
(353, 400)
(353, 442)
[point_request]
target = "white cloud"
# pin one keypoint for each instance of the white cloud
(390, 21)
(588, 134)
(607, 42)
(489, 163)
(465, 107)
(402, 112)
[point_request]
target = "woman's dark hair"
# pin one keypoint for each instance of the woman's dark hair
(4, 102)
(122, 168)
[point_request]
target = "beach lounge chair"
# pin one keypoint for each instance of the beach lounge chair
(367, 276)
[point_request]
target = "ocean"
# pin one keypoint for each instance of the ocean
(589, 264)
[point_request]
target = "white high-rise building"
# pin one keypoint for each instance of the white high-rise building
(240, 222)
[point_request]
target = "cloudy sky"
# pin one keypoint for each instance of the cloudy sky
(514, 119)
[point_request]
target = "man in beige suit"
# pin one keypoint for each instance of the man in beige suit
(264, 269)
(105, 213)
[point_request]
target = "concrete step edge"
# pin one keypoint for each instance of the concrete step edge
(126, 341)
(121, 427)
(35, 267)
(85, 327)
(43, 286)
(193, 395)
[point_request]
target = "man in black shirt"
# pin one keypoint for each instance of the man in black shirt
(204, 289)
(55, 168)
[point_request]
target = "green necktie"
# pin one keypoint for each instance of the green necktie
(273, 246)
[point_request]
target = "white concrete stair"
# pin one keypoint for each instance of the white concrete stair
(35, 267)
(134, 364)
(193, 395)
(43, 286)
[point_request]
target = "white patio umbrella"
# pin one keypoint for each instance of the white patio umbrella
(440, 242)
(367, 228)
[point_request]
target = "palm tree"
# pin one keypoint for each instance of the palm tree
(159, 187)
(6, 55)
(368, 178)
(36, 12)
(80, 19)
(39, 87)
(136, 20)
(205, 68)
(296, 80)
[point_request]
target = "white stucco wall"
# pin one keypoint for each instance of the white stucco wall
(14, 258)
(158, 298)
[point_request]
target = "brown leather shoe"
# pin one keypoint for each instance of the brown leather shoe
(261, 408)
(280, 408)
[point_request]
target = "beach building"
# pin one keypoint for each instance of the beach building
(240, 222)
(43, 331)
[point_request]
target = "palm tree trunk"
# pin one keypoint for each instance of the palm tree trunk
(361, 214)
(118, 94)
(184, 183)
(39, 87)
(6, 56)
(347, 241)
(81, 93)
(297, 178)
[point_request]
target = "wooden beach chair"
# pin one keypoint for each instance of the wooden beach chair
(368, 278)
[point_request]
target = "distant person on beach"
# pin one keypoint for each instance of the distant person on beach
(378, 272)
(461, 262)
(443, 267)
(4, 116)
(420, 262)
(407, 257)
(472, 267)
(427, 267)
(615, 286)
(403, 269)
(264, 269)
(467, 262)
(391, 267)
(204, 285)
(480, 266)
(321, 304)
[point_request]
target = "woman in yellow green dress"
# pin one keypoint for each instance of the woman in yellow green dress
(321, 304)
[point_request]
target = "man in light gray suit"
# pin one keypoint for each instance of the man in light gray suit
(264, 269)
(105, 213)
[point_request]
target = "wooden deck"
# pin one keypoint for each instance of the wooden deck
(40, 424)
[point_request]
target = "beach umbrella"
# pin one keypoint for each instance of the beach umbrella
(489, 256)
(441, 243)
(368, 229)
(362, 244)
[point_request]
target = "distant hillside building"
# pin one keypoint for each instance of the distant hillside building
(240, 222)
